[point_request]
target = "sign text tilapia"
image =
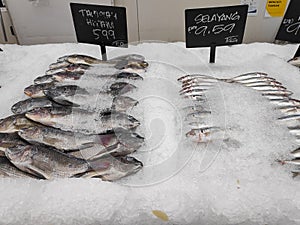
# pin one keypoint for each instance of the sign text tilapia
(101, 21)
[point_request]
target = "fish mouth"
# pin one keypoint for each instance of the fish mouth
(28, 93)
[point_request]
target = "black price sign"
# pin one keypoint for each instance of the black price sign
(101, 25)
(289, 29)
(211, 27)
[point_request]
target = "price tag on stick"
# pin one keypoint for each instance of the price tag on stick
(100, 25)
(211, 27)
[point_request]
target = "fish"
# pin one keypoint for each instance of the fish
(119, 167)
(8, 140)
(7, 169)
(79, 120)
(37, 90)
(70, 141)
(82, 59)
(131, 65)
(292, 162)
(195, 84)
(276, 92)
(189, 77)
(263, 83)
(46, 163)
(119, 88)
(122, 75)
(295, 61)
(70, 68)
(290, 117)
(32, 103)
(245, 76)
(14, 123)
(201, 134)
(197, 115)
(60, 64)
(193, 108)
(197, 124)
(43, 79)
(123, 103)
(201, 89)
(132, 57)
(296, 153)
(290, 102)
(67, 76)
(268, 88)
(92, 99)
(196, 97)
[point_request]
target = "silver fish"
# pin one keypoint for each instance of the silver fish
(31, 103)
(67, 76)
(290, 117)
(292, 162)
(246, 76)
(197, 114)
(202, 134)
(295, 61)
(296, 153)
(189, 77)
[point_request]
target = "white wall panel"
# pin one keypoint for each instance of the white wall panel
(45, 21)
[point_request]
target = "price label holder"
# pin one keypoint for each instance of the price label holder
(212, 27)
(289, 29)
(100, 25)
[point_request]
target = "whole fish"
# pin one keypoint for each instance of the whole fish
(37, 90)
(190, 77)
(119, 88)
(74, 119)
(290, 117)
(7, 169)
(14, 123)
(122, 75)
(193, 108)
(295, 61)
(32, 103)
(43, 79)
(268, 88)
(92, 99)
(123, 103)
(197, 90)
(197, 115)
(57, 65)
(81, 59)
(67, 76)
(71, 68)
(252, 80)
(277, 92)
(194, 84)
(119, 167)
(9, 140)
(202, 134)
(245, 76)
(263, 83)
(46, 163)
(296, 153)
(288, 103)
(132, 57)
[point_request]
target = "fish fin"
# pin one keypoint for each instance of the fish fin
(37, 172)
(65, 102)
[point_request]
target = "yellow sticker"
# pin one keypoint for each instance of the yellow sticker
(161, 215)
(275, 8)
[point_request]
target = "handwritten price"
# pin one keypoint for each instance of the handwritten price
(217, 29)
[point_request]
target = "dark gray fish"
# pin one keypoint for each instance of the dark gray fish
(67, 76)
(123, 103)
(129, 57)
(9, 140)
(66, 140)
(7, 169)
(14, 123)
(57, 65)
(37, 90)
(118, 168)
(74, 119)
(46, 163)
(128, 75)
(119, 88)
(43, 79)
(32, 103)
(71, 68)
